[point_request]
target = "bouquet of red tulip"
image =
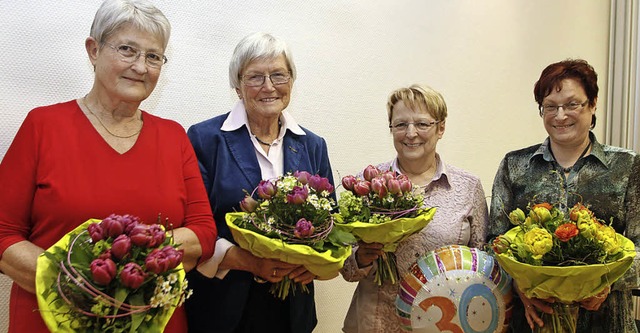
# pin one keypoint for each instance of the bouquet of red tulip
(291, 221)
(113, 275)
(382, 208)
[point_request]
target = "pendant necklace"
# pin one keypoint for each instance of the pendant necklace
(84, 101)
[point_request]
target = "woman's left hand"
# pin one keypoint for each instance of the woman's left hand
(593, 303)
(302, 275)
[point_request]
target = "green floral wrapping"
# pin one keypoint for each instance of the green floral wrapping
(325, 265)
(388, 233)
(566, 283)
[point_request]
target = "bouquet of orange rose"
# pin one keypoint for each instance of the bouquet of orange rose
(291, 221)
(111, 275)
(382, 208)
(567, 258)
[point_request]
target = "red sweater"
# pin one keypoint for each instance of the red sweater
(59, 172)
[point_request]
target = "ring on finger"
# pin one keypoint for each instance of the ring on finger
(275, 272)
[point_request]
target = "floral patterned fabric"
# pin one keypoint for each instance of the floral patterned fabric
(460, 218)
(608, 181)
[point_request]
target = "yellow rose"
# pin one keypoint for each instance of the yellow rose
(608, 238)
(538, 241)
(516, 216)
(587, 226)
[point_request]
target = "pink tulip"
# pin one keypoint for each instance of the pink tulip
(298, 195)
(394, 186)
(362, 188)
(121, 246)
(248, 204)
(103, 271)
(162, 260)
(96, 232)
(378, 186)
(303, 228)
(370, 172)
(303, 177)
(266, 189)
(320, 184)
(132, 275)
(388, 175)
(405, 185)
(348, 182)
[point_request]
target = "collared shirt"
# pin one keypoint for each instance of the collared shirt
(460, 218)
(607, 181)
(271, 166)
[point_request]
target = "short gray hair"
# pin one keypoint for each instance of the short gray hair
(259, 45)
(141, 14)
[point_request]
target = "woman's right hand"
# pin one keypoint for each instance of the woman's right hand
(367, 253)
(532, 306)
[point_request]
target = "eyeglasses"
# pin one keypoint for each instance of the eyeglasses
(552, 110)
(131, 54)
(256, 80)
(420, 126)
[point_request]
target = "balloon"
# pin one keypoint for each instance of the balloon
(455, 289)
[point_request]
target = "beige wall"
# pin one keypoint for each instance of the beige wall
(484, 56)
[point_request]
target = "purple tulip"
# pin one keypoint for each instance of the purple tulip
(298, 195)
(147, 235)
(370, 172)
(129, 222)
(162, 260)
(348, 182)
(132, 275)
(266, 189)
(96, 232)
(248, 204)
(304, 229)
(394, 186)
(103, 271)
(362, 188)
(303, 177)
(378, 186)
(121, 246)
(320, 184)
(113, 226)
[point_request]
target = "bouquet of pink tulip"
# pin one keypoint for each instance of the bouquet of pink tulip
(382, 208)
(291, 221)
(113, 275)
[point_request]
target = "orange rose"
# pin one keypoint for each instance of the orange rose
(566, 231)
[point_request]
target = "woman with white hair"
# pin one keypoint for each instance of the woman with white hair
(258, 139)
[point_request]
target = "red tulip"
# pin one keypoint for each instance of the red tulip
(132, 275)
(147, 235)
(112, 225)
(103, 271)
(121, 246)
(162, 260)
(96, 232)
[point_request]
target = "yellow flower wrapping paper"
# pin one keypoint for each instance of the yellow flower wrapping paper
(566, 283)
(388, 233)
(326, 265)
(46, 274)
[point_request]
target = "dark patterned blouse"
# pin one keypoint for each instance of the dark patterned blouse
(607, 181)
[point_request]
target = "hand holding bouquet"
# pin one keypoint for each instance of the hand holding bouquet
(569, 259)
(291, 221)
(113, 275)
(382, 208)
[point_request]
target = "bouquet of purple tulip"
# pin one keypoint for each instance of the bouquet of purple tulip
(113, 275)
(290, 220)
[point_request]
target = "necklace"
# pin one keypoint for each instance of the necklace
(262, 142)
(568, 169)
(84, 101)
